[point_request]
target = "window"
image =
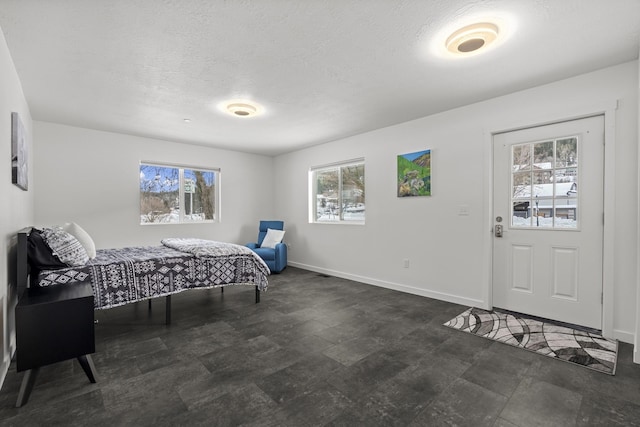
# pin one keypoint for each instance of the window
(176, 194)
(545, 179)
(337, 192)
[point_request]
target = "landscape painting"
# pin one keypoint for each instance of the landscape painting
(414, 174)
(19, 171)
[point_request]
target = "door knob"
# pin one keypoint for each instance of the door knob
(497, 230)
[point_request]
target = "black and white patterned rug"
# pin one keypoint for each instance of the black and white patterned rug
(582, 347)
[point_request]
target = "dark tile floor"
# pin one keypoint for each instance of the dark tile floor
(316, 351)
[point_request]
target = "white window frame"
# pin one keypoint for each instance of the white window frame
(313, 192)
(554, 198)
(181, 192)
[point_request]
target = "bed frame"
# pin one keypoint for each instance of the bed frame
(26, 279)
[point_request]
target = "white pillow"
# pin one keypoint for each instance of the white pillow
(272, 238)
(83, 237)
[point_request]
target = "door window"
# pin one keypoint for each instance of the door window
(544, 183)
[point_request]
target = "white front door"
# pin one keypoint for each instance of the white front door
(549, 220)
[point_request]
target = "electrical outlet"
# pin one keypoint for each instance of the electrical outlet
(405, 263)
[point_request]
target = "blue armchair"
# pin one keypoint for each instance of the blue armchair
(275, 258)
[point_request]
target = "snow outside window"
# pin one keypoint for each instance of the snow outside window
(337, 193)
(545, 182)
(175, 194)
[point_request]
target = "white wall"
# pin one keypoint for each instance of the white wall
(92, 178)
(449, 253)
(17, 205)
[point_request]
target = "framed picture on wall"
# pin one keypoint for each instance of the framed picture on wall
(414, 174)
(19, 163)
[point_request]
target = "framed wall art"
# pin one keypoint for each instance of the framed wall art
(414, 174)
(19, 152)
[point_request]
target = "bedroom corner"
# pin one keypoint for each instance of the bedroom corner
(18, 204)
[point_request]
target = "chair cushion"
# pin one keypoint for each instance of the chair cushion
(266, 254)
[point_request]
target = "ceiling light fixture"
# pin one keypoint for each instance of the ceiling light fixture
(242, 108)
(472, 38)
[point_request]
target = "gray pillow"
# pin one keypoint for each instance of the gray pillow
(65, 246)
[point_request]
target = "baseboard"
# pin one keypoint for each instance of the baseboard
(4, 368)
(395, 286)
(636, 354)
(6, 363)
(623, 336)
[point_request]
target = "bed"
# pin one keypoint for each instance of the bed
(127, 275)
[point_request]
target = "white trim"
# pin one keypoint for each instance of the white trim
(313, 190)
(4, 368)
(181, 193)
(606, 108)
(624, 336)
(636, 348)
(335, 165)
(179, 165)
(487, 241)
(10, 340)
(608, 247)
(469, 302)
(341, 222)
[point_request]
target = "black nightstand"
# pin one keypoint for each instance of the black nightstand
(54, 324)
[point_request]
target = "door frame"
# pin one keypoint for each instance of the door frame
(608, 111)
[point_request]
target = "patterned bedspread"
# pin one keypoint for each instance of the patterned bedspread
(204, 248)
(122, 276)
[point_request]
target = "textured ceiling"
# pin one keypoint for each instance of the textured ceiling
(322, 69)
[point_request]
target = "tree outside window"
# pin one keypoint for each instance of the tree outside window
(338, 193)
(173, 194)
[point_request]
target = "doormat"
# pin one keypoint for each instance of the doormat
(582, 347)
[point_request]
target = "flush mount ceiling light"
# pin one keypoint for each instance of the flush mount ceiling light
(241, 108)
(472, 38)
